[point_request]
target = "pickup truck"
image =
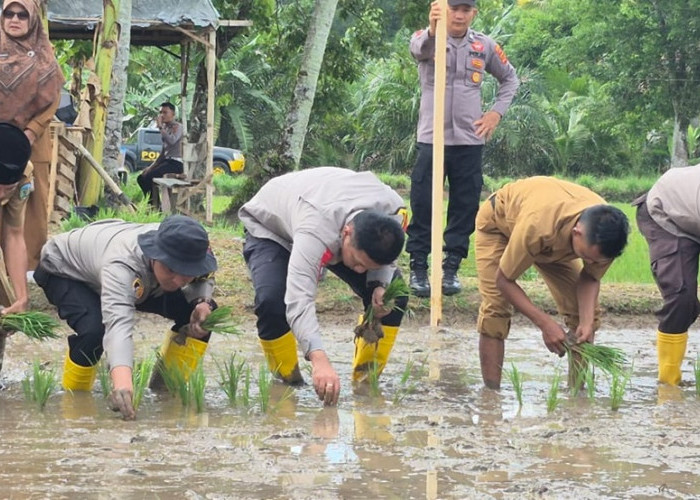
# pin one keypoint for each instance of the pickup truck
(147, 145)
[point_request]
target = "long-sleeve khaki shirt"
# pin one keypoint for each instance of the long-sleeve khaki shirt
(305, 212)
(468, 59)
(106, 256)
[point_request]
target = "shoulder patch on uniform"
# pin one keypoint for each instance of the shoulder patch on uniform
(501, 55)
(418, 33)
(137, 285)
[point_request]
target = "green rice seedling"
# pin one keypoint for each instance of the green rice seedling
(553, 394)
(406, 384)
(196, 385)
(231, 372)
(516, 379)
(264, 382)
(140, 377)
(696, 370)
(245, 394)
(220, 320)
(373, 378)
(176, 382)
(105, 378)
(590, 382)
(618, 386)
(607, 359)
(407, 370)
(40, 385)
(34, 324)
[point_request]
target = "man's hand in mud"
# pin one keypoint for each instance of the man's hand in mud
(325, 379)
(121, 400)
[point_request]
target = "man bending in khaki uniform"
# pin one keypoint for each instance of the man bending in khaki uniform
(571, 237)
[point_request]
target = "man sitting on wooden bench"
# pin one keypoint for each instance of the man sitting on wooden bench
(170, 159)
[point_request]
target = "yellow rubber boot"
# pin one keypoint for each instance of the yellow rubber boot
(670, 348)
(76, 377)
(178, 352)
(366, 353)
(282, 359)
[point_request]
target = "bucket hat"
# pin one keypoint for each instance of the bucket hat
(15, 151)
(182, 244)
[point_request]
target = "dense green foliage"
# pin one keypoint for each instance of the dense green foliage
(604, 84)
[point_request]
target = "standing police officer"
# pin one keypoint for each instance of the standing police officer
(469, 55)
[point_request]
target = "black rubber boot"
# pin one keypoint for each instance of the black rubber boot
(450, 282)
(418, 282)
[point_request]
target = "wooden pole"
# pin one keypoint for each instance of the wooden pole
(101, 172)
(184, 68)
(438, 167)
(211, 76)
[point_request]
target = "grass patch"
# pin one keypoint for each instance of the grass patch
(39, 386)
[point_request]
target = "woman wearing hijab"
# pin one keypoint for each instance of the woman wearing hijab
(30, 85)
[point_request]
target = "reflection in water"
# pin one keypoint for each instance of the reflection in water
(450, 438)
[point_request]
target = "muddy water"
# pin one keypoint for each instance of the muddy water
(448, 438)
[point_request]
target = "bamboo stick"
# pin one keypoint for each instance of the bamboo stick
(438, 167)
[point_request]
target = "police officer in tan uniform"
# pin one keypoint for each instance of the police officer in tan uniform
(470, 55)
(571, 237)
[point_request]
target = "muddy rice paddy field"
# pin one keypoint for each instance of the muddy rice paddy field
(437, 435)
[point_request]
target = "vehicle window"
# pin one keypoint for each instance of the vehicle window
(152, 138)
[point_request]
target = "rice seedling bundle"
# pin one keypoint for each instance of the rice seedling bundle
(608, 359)
(34, 324)
(220, 320)
(370, 329)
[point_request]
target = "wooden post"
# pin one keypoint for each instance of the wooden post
(211, 76)
(438, 167)
(184, 67)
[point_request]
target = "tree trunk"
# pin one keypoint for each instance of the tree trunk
(113, 130)
(90, 184)
(294, 134)
(679, 150)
